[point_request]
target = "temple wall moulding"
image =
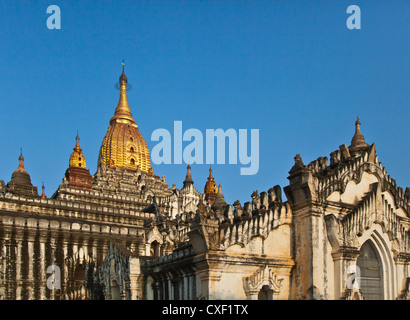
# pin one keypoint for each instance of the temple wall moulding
(373, 209)
(374, 172)
(114, 274)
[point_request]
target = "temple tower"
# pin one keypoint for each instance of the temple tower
(210, 189)
(20, 183)
(123, 145)
(77, 174)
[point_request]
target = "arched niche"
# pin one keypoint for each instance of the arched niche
(370, 267)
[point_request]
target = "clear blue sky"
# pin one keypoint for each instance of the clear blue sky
(291, 69)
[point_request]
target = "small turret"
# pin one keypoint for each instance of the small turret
(77, 158)
(210, 189)
(358, 141)
(188, 179)
(77, 174)
(219, 199)
(20, 183)
(43, 195)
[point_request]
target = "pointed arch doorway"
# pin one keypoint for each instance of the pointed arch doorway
(371, 272)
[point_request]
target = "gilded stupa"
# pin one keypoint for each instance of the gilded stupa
(77, 174)
(123, 145)
(210, 189)
(77, 158)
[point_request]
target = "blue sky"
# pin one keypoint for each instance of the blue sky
(291, 69)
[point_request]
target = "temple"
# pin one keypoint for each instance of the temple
(338, 230)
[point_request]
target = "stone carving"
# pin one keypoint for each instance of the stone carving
(405, 293)
(372, 154)
(242, 213)
(275, 194)
(352, 294)
(333, 230)
(79, 268)
(238, 211)
(407, 193)
(298, 164)
(114, 274)
(264, 276)
(229, 215)
(153, 207)
(219, 214)
(247, 210)
(344, 152)
(335, 158)
(264, 200)
(256, 201)
(204, 210)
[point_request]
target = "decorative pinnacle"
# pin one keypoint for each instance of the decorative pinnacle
(77, 146)
(188, 178)
(219, 199)
(123, 77)
(43, 195)
(21, 162)
(358, 140)
(210, 174)
(123, 111)
(210, 185)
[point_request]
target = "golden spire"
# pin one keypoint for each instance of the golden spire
(43, 196)
(77, 158)
(123, 145)
(123, 112)
(210, 186)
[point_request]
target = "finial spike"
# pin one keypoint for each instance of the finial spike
(188, 179)
(43, 195)
(21, 161)
(77, 147)
(123, 110)
(210, 177)
(123, 77)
